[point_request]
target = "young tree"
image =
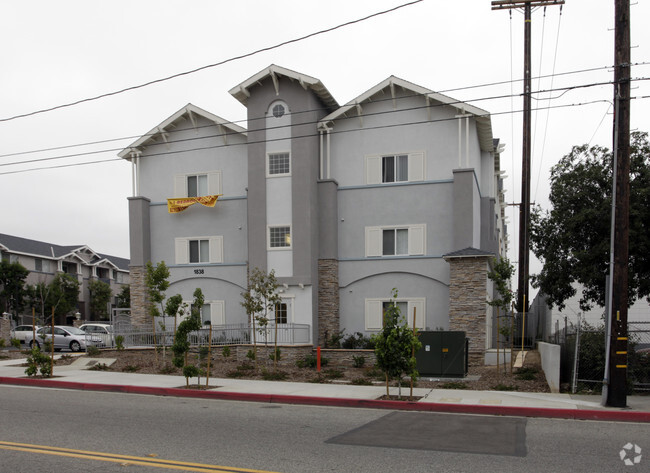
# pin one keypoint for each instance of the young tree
(181, 345)
(501, 274)
(124, 298)
(395, 345)
(100, 296)
(156, 280)
(261, 298)
(572, 239)
(12, 285)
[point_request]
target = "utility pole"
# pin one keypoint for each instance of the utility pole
(617, 369)
(524, 212)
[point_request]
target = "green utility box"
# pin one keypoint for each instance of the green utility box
(443, 354)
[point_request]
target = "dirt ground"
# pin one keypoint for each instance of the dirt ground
(528, 379)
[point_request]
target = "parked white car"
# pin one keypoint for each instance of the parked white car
(65, 338)
(21, 332)
(102, 331)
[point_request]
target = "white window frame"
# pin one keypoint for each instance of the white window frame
(278, 248)
(417, 237)
(268, 164)
(214, 183)
(374, 314)
(373, 166)
(182, 249)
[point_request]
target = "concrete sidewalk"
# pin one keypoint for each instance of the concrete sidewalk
(77, 376)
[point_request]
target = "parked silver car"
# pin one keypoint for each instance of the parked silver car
(102, 331)
(65, 338)
(21, 332)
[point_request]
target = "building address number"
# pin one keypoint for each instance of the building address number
(199, 271)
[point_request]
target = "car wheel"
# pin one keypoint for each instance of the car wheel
(75, 346)
(32, 343)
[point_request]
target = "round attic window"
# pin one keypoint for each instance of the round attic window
(278, 111)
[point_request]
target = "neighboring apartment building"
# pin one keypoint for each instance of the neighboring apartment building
(44, 260)
(343, 202)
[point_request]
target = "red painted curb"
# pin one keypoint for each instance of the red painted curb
(552, 413)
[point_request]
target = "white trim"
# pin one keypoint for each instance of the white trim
(268, 237)
(417, 239)
(373, 167)
(268, 157)
(374, 312)
(214, 185)
(182, 249)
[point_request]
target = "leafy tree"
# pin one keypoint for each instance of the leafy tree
(181, 344)
(100, 296)
(61, 294)
(124, 298)
(12, 282)
(395, 345)
(501, 274)
(572, 239)
(261, 298)
(156, 280)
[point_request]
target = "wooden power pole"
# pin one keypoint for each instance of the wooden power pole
(524, 213)
(616, 390)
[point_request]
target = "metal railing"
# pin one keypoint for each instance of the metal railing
(221, 335)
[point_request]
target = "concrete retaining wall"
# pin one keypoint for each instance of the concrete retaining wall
(550, 355)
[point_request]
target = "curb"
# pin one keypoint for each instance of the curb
(541, 412)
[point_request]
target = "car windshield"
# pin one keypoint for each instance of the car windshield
(75, 331)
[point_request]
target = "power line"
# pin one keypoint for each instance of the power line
(456, 102)
(355, 130)
(489, 84)
(225, 61)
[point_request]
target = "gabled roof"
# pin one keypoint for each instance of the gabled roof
(14, 244)
(468, 252)
(242, 91)
(484, 124)
(185, 114)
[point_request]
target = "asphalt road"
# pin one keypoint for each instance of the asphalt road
(48, 430)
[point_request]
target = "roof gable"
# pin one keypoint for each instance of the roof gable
(242, 91)
(187, 113)
(484, 124)
(83, 253)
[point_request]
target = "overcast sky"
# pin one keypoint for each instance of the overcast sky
(59, 52)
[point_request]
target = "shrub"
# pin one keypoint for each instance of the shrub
(334, 341)
(526, 374)
(235, 374)
(357, 341)
(504, 387)
(454, 385)
(225, 351)
(119, 342)
(38, 361)
(359, 361)
(204, 351)
(361, 382)
(167, 369)
(277, 352)
(245, 367)
(310, 361)
(99, 367)
(15, 343)
(92, 350)
(333, 374)
(273, 375)
(250, 355)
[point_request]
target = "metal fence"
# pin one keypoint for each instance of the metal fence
(583, 356)
(219, 335)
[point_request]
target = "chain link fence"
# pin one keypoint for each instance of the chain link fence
(582, 366)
